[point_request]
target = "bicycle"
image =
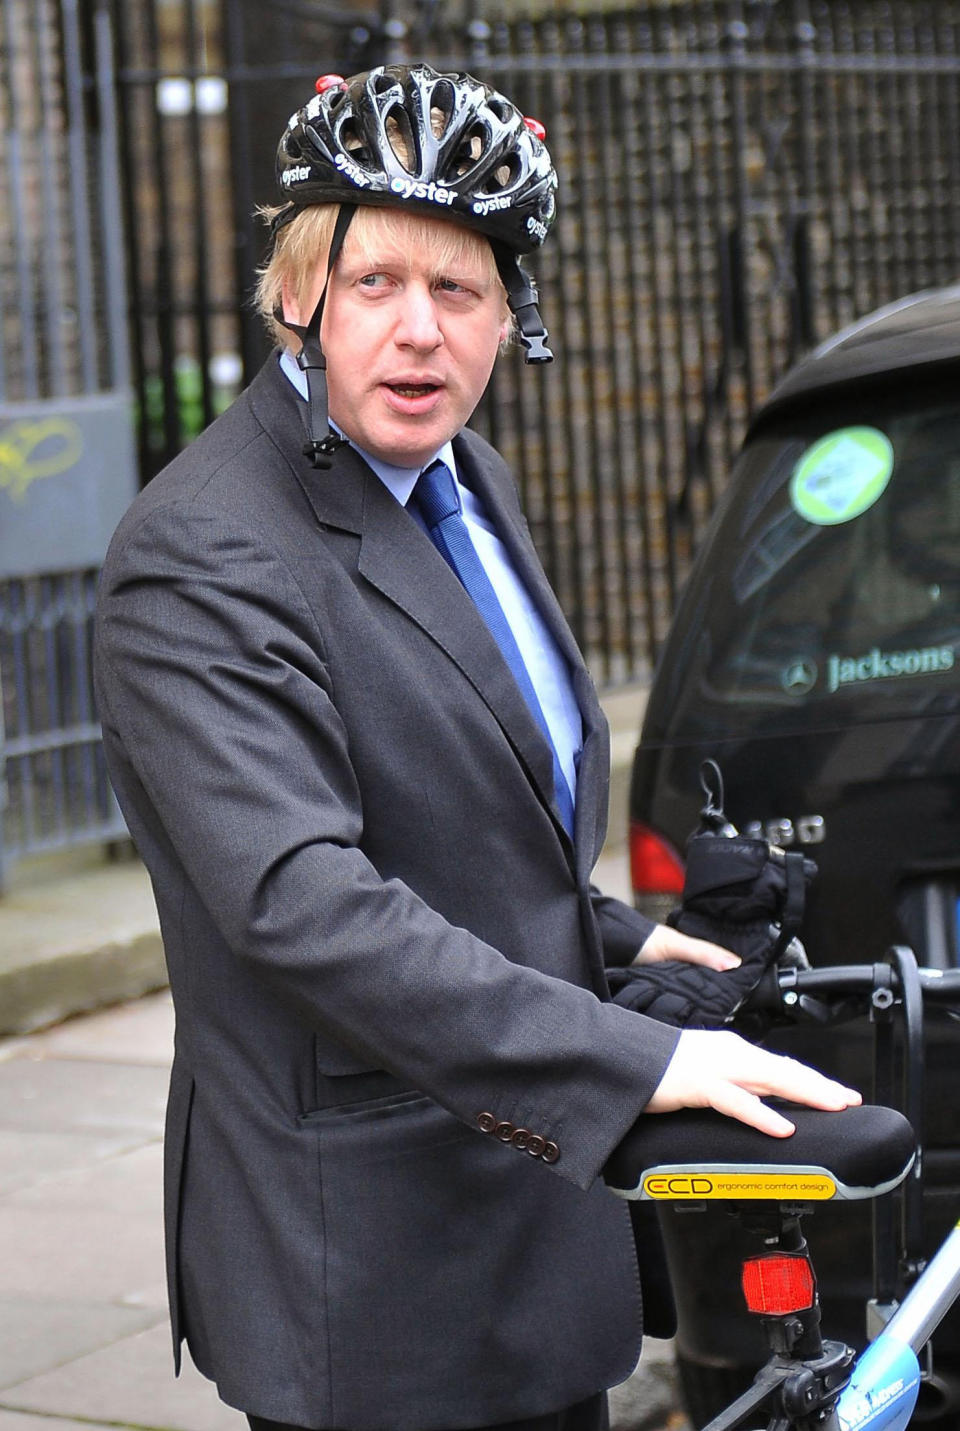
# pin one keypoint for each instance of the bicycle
(808, 1383)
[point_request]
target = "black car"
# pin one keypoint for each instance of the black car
(815, 655)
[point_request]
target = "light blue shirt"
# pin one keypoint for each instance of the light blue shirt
(542, 656)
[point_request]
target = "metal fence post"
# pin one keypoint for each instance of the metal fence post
(113, 250)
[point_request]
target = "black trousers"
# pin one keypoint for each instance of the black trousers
(589, 1415)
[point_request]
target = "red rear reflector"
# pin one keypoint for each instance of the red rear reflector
(778, 1284)
(655, 866)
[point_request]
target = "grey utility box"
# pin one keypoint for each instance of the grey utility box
(68, 472)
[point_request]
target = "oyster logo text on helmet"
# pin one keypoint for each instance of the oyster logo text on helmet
(297, 175)
(352, 171)
(536, 228)
(486, 206)
(417, 189)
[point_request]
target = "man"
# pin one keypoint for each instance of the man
(370, 826)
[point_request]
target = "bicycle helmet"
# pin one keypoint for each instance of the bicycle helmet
(439, 143)
(446, 145)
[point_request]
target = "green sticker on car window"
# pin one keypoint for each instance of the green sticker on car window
(842, 475)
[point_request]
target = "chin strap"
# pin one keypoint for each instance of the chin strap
(522, 297)
(321, 442)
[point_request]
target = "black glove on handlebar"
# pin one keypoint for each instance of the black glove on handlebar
(744, 894)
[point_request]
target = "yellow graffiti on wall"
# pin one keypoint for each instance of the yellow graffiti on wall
(32, 448)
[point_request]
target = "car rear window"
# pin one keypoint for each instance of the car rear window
(829, 586)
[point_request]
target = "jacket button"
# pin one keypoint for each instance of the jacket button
(487, 1122)
(521, 1138)
(550, 1153)
(504, 1131)
(536, 1145)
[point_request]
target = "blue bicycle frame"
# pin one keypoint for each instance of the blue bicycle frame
(883, 1387)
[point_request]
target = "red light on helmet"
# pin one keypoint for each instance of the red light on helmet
(326, 82)
(776, 1285)
(655, 867)
(535, 127)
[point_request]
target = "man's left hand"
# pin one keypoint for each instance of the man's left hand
(665, 943)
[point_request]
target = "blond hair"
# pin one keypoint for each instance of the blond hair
(305, 241)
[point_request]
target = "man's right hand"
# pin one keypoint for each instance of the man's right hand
(723, 1071)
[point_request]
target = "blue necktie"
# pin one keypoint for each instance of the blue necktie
(436, 496)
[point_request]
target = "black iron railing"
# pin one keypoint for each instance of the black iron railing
(67, 467)
(738, 179)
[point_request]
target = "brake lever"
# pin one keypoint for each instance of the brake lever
(817, 1012)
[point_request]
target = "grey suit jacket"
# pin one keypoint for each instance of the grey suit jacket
(377, 932)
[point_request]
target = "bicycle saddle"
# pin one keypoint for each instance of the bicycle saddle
(698, 1154)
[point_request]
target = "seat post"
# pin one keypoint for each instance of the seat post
(782, 1275)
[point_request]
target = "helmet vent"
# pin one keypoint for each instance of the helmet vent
(438, 121)
(500, 109)
(506, 172)
(350, 140)
(399, 132)
(442, 103)
(469, 150)
(383, 82)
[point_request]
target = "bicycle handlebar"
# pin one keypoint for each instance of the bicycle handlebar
(797, 994)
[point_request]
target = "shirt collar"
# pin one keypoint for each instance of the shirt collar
(400, 481)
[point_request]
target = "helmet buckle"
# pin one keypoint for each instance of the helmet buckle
(536, 349)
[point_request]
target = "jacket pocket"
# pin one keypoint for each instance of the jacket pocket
(355, 1107)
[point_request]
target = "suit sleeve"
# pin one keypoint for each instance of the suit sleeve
(213, 685)
(623, 930)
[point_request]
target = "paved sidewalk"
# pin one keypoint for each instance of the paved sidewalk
(76, 933)
(83, 1324)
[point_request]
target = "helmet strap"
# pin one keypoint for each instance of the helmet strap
(321, 441)
(522, 298)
